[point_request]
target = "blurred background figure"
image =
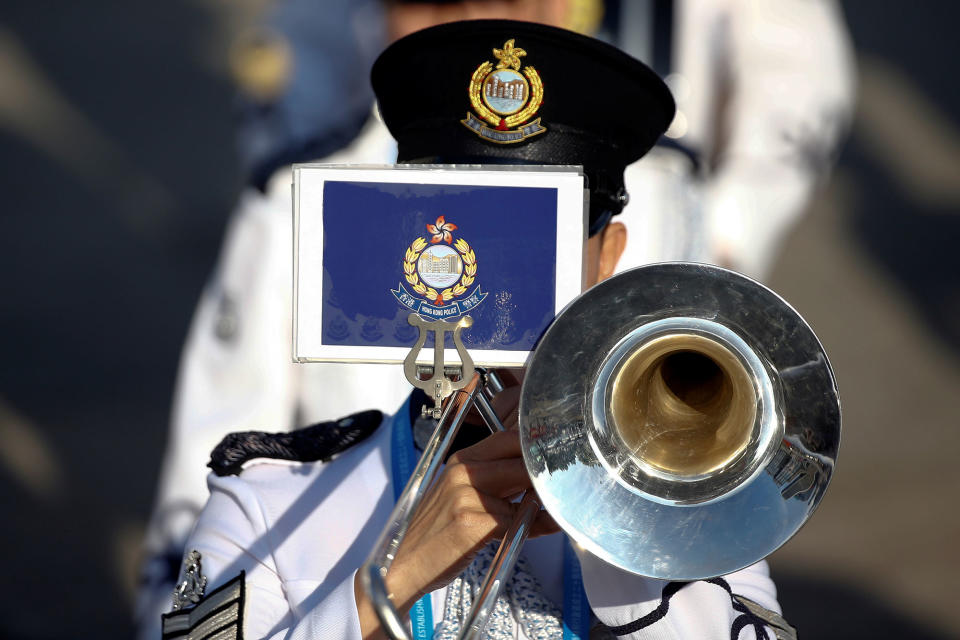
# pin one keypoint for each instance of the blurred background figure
(121, 164)
(302, 77)
(764, 94)
(757, 122)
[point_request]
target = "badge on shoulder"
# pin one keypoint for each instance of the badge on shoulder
(196, 616)
(194, 582)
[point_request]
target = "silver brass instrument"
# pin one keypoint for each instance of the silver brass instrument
(679, 421)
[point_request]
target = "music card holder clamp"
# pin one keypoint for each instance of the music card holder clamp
(443, 380)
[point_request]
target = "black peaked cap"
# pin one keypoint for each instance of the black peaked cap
(601, 108)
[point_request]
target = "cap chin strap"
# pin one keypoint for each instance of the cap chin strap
(597, 224)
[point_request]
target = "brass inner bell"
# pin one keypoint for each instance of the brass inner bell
(684, 404)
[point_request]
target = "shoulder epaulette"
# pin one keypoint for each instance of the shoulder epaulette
(319, 442)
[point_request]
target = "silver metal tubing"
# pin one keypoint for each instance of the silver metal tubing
(374, 571)
(493, 385)
(501, 567)
(489, 416)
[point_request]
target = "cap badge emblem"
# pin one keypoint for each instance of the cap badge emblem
(440, 272)
(505, 98)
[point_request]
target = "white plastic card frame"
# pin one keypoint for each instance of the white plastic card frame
(308, 231)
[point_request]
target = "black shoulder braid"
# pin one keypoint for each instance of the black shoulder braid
(318, 442)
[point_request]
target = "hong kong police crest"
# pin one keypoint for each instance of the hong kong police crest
(441, 273)
(504, 97)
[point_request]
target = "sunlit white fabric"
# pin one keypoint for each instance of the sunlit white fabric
(301, 531)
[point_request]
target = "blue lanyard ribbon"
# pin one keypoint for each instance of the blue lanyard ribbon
(576, 608)
(403, 459)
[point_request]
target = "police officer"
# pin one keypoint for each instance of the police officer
(291, 517)
(763, 92)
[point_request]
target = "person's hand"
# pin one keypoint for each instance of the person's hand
(469, 505)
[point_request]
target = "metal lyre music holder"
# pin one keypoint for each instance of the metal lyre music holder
(443, 380)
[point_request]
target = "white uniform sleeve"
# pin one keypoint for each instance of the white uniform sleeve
(231, 536)
(236, 371)
(235, 374)
(791, 79)
(698, 610)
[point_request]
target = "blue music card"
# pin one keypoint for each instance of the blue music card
(374, 245)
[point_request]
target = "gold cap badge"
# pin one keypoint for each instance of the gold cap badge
(505, 98)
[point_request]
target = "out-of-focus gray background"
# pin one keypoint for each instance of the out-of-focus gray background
(119, 168)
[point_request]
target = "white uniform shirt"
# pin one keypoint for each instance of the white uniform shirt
(300, 531)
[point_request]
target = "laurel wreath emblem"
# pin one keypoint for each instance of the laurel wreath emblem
(466, 278)
(531, 108)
